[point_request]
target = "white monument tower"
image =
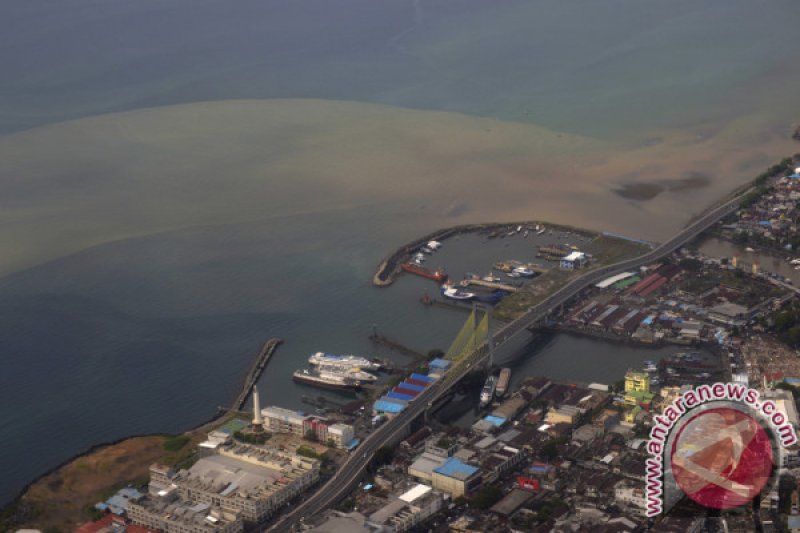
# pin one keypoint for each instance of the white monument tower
(258, 421)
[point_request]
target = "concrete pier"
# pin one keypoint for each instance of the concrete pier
(255, 371)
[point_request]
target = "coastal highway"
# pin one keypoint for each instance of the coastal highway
(345, 478)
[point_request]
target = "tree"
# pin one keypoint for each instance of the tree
(486, 497)
(691, 264)
(550, 450)
(434, 354)
(383, 456)
(618, 386)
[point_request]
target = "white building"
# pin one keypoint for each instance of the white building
(250, 480)
(573, 261)
(341, 435)
(171, 516)
(408, 509)
(280, 420)
(631, 497)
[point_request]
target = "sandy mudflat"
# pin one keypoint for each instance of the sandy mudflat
(71, 185)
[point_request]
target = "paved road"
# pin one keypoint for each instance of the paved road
(349, 473)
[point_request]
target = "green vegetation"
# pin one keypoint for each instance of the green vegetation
(444, 443)
(173, 444)
(94, 513)
(486, 497)
(550, 450)
(305, 451)
(346, 505)
(691, 264)
(608, 250)
(783, 167)
(252, 438)
(435, 354)
(786, 324)
(549, 509)
(311, 436)
(383, 456)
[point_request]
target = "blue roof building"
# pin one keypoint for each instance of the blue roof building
(440, 364)
(455, 468)
(399, 396)
(422, 377)
(411, 386)
(388, 407)
(456, 477)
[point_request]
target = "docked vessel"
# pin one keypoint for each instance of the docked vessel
(491, 278)
(490, 297)
(502, 382)
(434, 245)
(326, 380)
(487, 393)
(342, 362)
(448, 291)
(650, 366)
(525, 272)
(355, 372)
(436, 275)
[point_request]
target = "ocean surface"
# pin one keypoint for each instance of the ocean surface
(181, 180)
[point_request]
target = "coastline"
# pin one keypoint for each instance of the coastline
(18, 512)
(390, 265)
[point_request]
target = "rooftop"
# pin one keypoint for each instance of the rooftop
(456, 469)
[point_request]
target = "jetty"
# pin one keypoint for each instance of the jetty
(490, 285)
(257, 368)
(396, 346)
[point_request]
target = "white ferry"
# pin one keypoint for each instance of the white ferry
(342, 362)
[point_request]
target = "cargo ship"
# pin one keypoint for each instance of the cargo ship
(502, 382)
(436, 275)
(327, 380)
(342, 362)
(487, 393)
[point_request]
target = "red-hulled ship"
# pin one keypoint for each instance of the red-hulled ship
(436, 275)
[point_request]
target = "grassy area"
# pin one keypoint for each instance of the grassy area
(518, 303)
(609, 250)
(64, 498)
(605, 250)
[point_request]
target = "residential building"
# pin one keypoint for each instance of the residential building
(456, 478)
(170, 515)
(408, 509)
(281, 420)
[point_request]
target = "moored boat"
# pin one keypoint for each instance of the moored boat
(525, 272)
(326, 380)
(448, 291)
(502, 382)
(487, 392)
(415, 268)
(354, 372)
(342, 362)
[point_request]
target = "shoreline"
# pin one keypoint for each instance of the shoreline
(10, 509)
(389, 267)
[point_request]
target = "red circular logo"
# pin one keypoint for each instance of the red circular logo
(722, 458)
